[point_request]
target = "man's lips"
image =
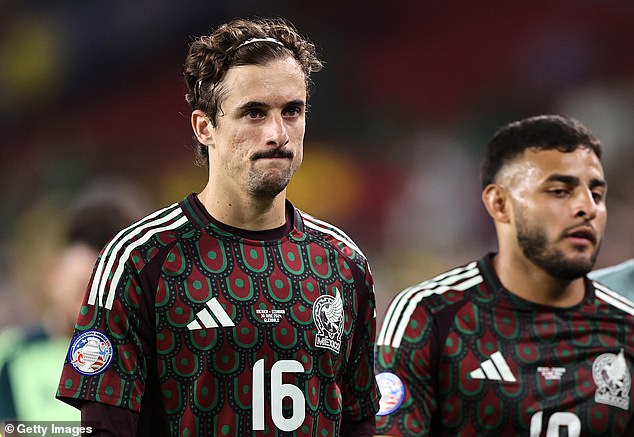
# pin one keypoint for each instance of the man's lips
(582, 234)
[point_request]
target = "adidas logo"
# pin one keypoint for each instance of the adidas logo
(212, 317)
(495, 369)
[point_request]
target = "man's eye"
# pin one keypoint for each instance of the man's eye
(558, 192)
(292, 111)
(254, 113)
(597, 196)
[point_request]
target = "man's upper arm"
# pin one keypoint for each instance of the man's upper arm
(406, 361)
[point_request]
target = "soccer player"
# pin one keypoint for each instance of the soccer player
(231, 312)
(619, 277)
(519, 342)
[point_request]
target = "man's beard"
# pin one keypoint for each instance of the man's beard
(534, 245)
(262, 187)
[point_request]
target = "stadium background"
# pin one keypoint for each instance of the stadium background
(91, 100)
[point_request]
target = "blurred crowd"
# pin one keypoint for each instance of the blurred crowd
(92, 105)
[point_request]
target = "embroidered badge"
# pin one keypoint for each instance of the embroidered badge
(90, 352)
(328, 316)
(612, 377)
(392, 392)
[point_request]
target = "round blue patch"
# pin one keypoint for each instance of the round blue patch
(392, 392)
(90, 352)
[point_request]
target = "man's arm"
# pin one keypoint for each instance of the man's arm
(406, 354)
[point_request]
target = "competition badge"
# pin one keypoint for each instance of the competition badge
(90, 352)
(392, 392)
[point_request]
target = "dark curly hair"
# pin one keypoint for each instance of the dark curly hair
(543, 132)
(211, 56)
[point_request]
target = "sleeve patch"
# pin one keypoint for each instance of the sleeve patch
(392, 392)
(90, 352)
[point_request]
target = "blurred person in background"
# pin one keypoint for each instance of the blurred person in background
(519, 342)
(619, 277)
(31, 356)
(231, 312)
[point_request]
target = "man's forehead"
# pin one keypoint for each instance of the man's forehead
(275, 82)
(535, 164)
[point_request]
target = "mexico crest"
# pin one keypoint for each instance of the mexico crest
(613, 380)
(328, 316)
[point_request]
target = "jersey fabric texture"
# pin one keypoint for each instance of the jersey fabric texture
(619, 277)
(461, 355)
(205, 329)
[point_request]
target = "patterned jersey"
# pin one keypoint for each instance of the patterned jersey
(210, 330)
(461, 355)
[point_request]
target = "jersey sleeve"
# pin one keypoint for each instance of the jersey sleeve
(106, 360)
(406, 354)
(359, 390)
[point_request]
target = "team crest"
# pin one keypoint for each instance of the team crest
(90, 352)
(613, 380)
(328, 316)
(392, 392)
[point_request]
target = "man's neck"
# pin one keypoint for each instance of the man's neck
(530, 282)
(245, 212)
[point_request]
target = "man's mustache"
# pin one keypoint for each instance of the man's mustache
(273, 153)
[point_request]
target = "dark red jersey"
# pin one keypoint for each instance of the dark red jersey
(211, 330)
(461, 355)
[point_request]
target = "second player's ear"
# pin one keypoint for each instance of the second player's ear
(496, 202)
(203, 129)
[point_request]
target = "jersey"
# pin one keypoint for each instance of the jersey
(212, 330)
(619, 277)
(461, 355)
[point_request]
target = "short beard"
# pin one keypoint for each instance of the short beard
(264, 185)
(267, 189)
(533, 243)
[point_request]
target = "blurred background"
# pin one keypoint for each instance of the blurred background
(92, 103)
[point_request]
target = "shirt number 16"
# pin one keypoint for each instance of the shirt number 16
(279, 391)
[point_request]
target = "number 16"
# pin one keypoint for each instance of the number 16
(278, 392)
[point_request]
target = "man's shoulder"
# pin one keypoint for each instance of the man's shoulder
(330, 234)
(426, 301)
(450, 285)
(161, 226)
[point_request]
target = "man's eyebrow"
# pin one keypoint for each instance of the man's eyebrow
(297, 102)
(247, 106)
(574, 181)
(565, 179)
(251, 105)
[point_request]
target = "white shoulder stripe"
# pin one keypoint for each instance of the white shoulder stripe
(329, 229)
(407, 314)
(614, 299)
(398, 314)
(126, 254)
(395, 309)
(114, 246)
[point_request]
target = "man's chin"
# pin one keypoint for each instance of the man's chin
(570, 269)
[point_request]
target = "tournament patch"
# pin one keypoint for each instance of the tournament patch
(392, 392)
(90, 352)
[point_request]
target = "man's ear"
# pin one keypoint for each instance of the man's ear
(497, 203)
(203, 129)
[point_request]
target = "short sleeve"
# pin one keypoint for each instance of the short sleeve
(105, 362)
(405, 366)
